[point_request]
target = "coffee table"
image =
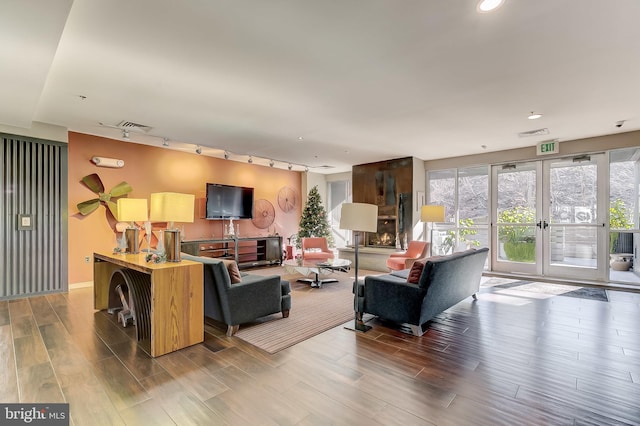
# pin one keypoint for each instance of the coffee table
(313, 267)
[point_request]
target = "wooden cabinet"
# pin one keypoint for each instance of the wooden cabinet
(247, 252)
(175, 295)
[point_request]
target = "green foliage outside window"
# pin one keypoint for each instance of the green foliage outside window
(464, 231)
(518, 243)
(618, 219)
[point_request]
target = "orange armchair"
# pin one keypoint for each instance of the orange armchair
(316, 243)
(415, 250)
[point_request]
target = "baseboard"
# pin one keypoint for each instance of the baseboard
(81, 285)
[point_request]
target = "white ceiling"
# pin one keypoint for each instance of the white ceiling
(359, 80)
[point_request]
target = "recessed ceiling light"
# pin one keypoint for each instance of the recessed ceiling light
(534, 116)
(300, 138)
(489, 5)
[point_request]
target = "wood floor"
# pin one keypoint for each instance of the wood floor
(507, 359)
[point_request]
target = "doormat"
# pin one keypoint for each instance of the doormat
(591, 293)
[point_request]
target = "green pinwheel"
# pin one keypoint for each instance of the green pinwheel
(94, 183)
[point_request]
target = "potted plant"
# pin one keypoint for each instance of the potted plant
(518, 243)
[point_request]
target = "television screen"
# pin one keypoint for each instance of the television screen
(225, 201)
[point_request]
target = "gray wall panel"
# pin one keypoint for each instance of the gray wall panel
(34, 182)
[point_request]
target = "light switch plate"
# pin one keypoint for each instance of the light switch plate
(25, 222)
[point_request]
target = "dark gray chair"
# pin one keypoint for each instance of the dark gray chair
(234, 304)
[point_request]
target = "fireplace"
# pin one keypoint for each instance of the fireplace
(386, 235)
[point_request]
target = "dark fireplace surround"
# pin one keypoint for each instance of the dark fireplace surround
(389, 185)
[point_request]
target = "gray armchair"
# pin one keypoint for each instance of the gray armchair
(234, 304)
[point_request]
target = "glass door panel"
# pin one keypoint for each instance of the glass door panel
(515, 230)
(573, 219)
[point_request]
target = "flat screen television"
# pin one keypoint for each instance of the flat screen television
(226, 201)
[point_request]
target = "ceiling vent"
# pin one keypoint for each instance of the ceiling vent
(538, 132)
(130, 125)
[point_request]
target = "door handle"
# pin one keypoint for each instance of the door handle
(545, 225)
(539, 224)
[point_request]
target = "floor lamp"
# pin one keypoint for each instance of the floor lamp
(358, 217)
(431, 214)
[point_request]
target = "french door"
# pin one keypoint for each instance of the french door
(548, 217)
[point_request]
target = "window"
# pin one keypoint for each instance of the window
(465, 195)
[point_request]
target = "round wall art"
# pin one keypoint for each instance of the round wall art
(287, 199)
(263, 214)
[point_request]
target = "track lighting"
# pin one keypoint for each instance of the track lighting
(250, 160)
(271, 163)
(199, 150)
(306, 169)
(165, 142)
(226, 155)
(290, 166)
(125, 135)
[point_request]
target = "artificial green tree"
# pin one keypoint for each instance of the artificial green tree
(313, 222)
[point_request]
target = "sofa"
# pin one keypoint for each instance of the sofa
(250, 297)
(437, 283)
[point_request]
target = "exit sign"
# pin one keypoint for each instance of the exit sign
(548, 147)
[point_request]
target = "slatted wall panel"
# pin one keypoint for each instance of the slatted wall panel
(34, 182)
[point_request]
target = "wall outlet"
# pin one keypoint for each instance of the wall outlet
(87, 259)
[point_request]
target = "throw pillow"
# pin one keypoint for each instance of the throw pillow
(234, 272)
(416, 271)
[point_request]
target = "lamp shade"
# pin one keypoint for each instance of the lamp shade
(172, 207)
(132, 209)
(432, 214)
(359, 217)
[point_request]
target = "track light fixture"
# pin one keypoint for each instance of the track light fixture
(125, 134)
(306, 169)
(165, 142)
(199, 150)
(262, 160)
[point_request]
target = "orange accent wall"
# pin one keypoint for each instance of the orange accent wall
(151, 169)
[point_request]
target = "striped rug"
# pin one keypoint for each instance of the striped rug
(313, 310)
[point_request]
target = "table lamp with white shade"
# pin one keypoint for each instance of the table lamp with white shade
(132, 210)
(172, 207)
(358, 217)
(431, 214)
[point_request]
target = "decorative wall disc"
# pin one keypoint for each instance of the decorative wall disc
(287, 199)
(263, 214)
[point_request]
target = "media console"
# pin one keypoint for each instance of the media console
(247, 252)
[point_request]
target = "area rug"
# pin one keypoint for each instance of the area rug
(591, 293)
(313, 310)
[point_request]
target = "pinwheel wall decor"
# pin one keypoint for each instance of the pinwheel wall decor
(94, 183)
(287, 199)
(263, 214)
